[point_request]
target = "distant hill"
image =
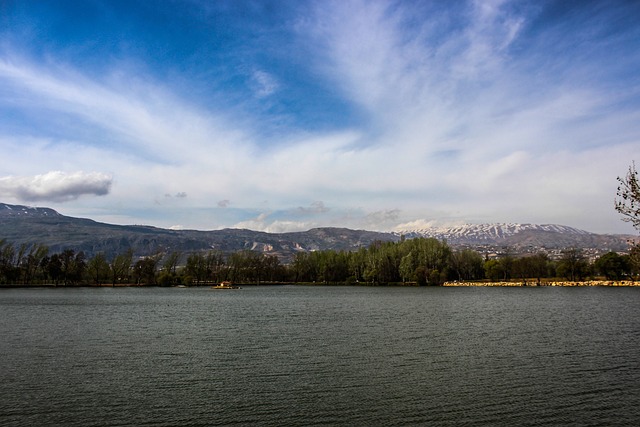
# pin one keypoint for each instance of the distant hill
(22, 224)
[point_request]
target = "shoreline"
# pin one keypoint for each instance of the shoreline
(607, 283)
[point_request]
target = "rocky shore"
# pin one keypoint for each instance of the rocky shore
(552, 283)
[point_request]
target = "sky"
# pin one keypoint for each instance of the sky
(287, 115)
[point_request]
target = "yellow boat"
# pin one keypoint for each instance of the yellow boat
(225, 285)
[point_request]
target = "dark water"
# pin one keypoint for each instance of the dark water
(320, 356)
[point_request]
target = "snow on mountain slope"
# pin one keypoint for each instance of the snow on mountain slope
(490, 233)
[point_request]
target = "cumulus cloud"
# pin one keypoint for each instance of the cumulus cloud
(55, 186)
(263, 222)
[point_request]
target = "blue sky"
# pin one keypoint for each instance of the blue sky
(288, 115)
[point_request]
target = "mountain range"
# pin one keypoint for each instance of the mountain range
(28, 225)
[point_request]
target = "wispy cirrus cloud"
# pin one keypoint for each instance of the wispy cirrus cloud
(264, 83)
(454, 111)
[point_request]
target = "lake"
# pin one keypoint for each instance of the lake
(297, 355)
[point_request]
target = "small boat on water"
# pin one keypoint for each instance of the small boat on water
(225, 285)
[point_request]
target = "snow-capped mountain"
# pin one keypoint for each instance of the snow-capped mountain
(519, 235)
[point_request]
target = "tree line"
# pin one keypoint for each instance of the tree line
(420, 261)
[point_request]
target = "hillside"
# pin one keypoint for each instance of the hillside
(22, 224)
(28, 225)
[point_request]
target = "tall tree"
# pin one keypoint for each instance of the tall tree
(73, 266)
(171, 262)
(121, 266)
(33, 262)
(8, 272)
(144, 270)
(573, 265)
(98, 268)
(467, 265)
(54, 268)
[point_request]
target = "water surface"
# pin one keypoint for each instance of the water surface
(320, 356)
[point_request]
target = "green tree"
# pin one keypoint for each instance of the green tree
(33, 262)
(54, 268)
(425, 260)
(357, 264)
(533, 267)
(73, 266)
(613, 266)
(9, 273)
(407, 267)
(98, 268)
(168, 276)
(121, 266)
(144, 270)
(493, 270)
(196, 267)
(273, 270)
(208, 266)
(467, 265)
(302, 268)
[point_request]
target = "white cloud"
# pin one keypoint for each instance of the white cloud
(263, 222)
(55, 186)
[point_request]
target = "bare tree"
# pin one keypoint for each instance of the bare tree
(627, 202)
